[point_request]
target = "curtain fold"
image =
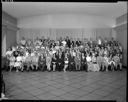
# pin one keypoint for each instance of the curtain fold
(76, 33)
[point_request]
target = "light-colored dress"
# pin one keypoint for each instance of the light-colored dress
(88, 58)
(18, 61)
(12, 61)
(95, 65)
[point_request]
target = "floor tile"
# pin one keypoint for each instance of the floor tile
(101, 92)
(79, 92)
(46, 96)
(69, 96)
(58, 92)
(66, 86)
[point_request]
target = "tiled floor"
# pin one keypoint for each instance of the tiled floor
(66, 86)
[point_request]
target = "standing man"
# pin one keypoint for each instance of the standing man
(68, 42)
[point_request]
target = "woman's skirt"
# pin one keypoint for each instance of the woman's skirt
(95, 67)
(17, 64)
(90, 66)
(12, 63)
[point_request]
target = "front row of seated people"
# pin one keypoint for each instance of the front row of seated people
(57, 57)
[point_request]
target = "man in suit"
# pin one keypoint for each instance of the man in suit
(60, 61)
(71, 62)
(83, 62)
(68, 42)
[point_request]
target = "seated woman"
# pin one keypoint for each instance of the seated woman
(100, 61)
(95, 65)
(18, 63)
(48, 61)
(35, 59)
(89, 62)
(83, 62)
(66, 61)
(120, 56)
(71, 62)
(111, 62)
(42, 62)
(28, 60)
(23, 61)
(78, 60)
(106, 61)
(54, 61)
(116, 59)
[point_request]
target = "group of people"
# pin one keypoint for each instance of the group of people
(65, 55)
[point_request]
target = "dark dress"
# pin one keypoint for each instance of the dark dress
(54, 62)
(68, 43)
(60, 62)
(42, 63)
(71, 63)
(83, 63)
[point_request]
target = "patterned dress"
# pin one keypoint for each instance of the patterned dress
(95, 66)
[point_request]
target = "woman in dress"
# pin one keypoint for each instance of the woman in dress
(48, 61)
(18, 63)
(35, 59)
(78, 60)
(71, 61)
(111, 62)
(83, 62)
(106, 61)
(12, 62)
(100, 61)
(89, 62)
(94, 62)
(54, 59)
(66, 61)
(42, 62)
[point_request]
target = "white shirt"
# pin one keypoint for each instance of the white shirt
(32, 54)
(88, 58)
(74, 54)
(40, 42)
(53, 51)
(19, 58)
(99, 41)
(27, 54)
(37, 47)
(57, 47)
(64, 43)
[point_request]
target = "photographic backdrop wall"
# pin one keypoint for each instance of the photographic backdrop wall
(54, 34)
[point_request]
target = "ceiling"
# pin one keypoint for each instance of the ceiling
(27, 9)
